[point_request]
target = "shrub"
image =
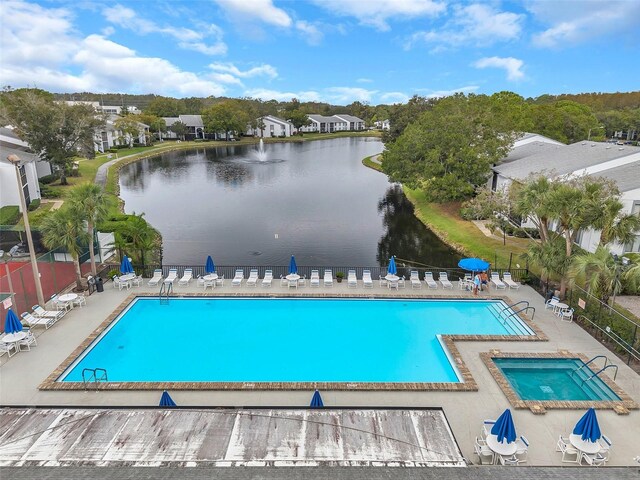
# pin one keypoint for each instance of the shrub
(9, 215)
(34, 204)
(113, 272)
(113, 150)
(47, 192)
(47, 179)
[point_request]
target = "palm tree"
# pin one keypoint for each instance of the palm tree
(532, 202)
(615, 226)
(89, 199)
(65, 229)
(599, 272)
(549, 256)
(143, 238)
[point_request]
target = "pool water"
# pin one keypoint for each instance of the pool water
(284, 340)
(553, 379)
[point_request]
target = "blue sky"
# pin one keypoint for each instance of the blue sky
(338, 51)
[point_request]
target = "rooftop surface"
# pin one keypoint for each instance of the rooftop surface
(24, 372)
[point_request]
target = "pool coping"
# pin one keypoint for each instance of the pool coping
(468, 383)
(621, 407)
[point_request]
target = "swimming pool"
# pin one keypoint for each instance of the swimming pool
(553, 379)
(287, 340)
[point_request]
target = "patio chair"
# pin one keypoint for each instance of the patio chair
(415, 279)
(314, 281)
(605, 446)
(200, 281)
(58, 304)
(567, 450)
(237, 279)
(173, 275)
(523, 449)
(327, 281)
(28, 341)
(428, 279)
(252, 281)
(80, 300)
(487, 425)
(7, 347)
(268, 278)
(566, 315)
(401, 282)
(302, 281)
(507, 460)
(352, 280)
(367, 281)
(220, 281)
(292, 284)
(485, 454)
(119, 284)
(156, 279)
(283, 281)
(38, 311)
(551, 303)
(383, 281)
(187, 275)
(208, 283)
(32, 321)
(595, 460)
(506, 278)
(495, 279)
(444, 280)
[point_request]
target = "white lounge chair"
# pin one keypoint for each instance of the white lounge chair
(414, 278)
(328, 278)
(495, 279)
(252, 281)
(237, 279)
(156, 279)
(314, 281)
(506, 278)
(367, 281)
(32, 321)
(444, 280)
(428, 279)
(38, 311)
(172, 277)
(352, 280)
(187, 275)
(268, 278)
(593, 459)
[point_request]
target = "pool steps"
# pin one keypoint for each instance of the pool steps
(509, 317)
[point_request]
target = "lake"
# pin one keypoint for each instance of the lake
(314, 200)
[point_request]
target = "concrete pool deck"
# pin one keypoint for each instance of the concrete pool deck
(23, 373)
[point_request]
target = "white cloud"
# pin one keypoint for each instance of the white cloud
(343, 95)
(230, 68)
(511, 65)
(376, 13)
(394, 97)
(333, 95)
(311, 33)
(261, 10)
(265, 94)
(476, 24)
(447, 93)
(570, 24)
(364, 80)
(188, 39)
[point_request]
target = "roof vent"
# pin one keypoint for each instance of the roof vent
(583, 143)
(593, 144)
(608, 147)
(620, 148)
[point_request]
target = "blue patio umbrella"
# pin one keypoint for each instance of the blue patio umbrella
(587, 427)
(125, 266)
(12, 323)
(392, 270)
(166, 400)
(504, 428)
(293, 268)
(316, 400)
(209, 267)
(473, 264)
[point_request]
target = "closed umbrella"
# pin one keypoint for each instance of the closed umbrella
(504, 428)
(316, 400)
(587, 427)
(12, 323)
(293, 268)
(392, 270)
(166, 400)
(125, 266)
(209, 266)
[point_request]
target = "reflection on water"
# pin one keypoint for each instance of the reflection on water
(315, 200)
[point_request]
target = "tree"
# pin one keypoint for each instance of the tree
(615, 226)
(228, 117)
(163, 107)
(299, 119)
(448, 151)
(129, 129)
(550, 256)
(65, 229)
(531, 201)
(56, 131)
(180, 129)
(599, 272)
(141, 236)
(89, 200)
(565, 121)
(400, 116)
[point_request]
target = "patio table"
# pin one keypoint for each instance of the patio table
(586, 446)
(501, 448)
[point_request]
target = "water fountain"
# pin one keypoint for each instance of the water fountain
(260, 154)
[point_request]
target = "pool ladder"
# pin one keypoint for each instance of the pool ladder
(166, 289)
(508, 320)
(607, 365)
(95, 376)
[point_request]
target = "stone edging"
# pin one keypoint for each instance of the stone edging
(621, 407)
(468, 384)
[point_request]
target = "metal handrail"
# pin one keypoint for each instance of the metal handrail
(94, 376)
(512, 306)
(166, 289)
(518, 311)
(617, 339)
(611, 365)
(606, 360)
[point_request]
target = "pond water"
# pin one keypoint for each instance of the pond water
(314, 200)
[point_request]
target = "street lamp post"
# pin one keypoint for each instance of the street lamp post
(589, 136)
(15, 161)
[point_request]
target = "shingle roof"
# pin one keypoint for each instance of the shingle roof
(627, 177)
(349, 118)
(192, 120)
(24, 156)
(322, 118)
(564, 159)
(273, 118)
